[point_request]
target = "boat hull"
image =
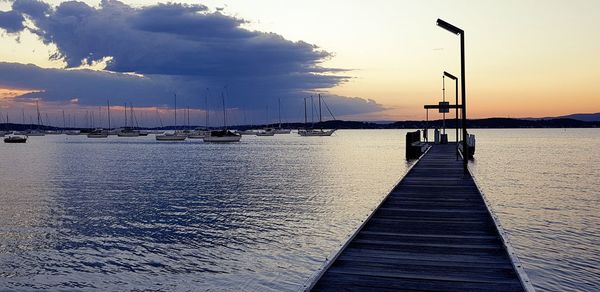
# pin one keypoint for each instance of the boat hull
(222, 139)
(316, 133)
(170, 138)
(15, 140)
(128, 134)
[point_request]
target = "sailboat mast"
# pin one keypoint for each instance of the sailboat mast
(108, 107)
(175, 95)
(64, 122)
(206, 107)
(159, 119)
(312, 110)
(125, 115)
(305, 117)
(279, 106)
(224, 113)
(320, 116)
(132, 117)
(38, 113)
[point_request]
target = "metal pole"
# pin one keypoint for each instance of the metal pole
(456, 102)
(464, 102)
(305, 117)
(444, 100)
(427, 124)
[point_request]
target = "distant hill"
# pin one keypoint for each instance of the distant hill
(583, 117)
(338, 124)
(594, 117)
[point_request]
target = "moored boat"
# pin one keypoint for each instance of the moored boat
(266, 132)
(247, 132)
(225, 135)
(15, 139)
(98, 133)
(315, 132)
(282, 131)
(128, 132)
(310, 132)
(199, 134)
(170, 137)
(222, 136)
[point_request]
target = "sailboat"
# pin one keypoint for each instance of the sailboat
(128, 131)
(98, 133)
(224, 135)
(266, 131)
(281, 130)
(15, 139)
(315, 132)
(37, 132)
(172, 136)
(200, 133)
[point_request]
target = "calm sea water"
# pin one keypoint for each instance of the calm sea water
(544, 184)
(263, 214)
(134, 213)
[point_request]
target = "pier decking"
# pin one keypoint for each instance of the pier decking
(433, 232)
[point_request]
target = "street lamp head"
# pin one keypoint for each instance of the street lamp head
(450, 75)
(449, 27)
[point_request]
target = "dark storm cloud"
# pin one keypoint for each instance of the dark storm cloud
(177, 47)
(57, 85)
(11, 21)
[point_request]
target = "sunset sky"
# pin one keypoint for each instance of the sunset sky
(372, 60)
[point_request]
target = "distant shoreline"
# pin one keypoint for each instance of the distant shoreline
(488, 123)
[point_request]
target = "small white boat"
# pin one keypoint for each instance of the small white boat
(15, 139)
(98, 133)
(315, 132)
(282, 131)
(199, 134)
(223, 136)
(247, 132)
(266, 132)
(128, 132)
(72, 132)
(171, 137)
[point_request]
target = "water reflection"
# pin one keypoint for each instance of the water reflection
(543, 185)
(136, 214)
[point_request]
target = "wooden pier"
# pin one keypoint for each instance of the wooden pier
(433, 232)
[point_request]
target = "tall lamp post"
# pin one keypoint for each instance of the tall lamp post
(455, 30)
(456, 102)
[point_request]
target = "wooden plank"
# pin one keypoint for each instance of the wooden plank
(433, 232)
